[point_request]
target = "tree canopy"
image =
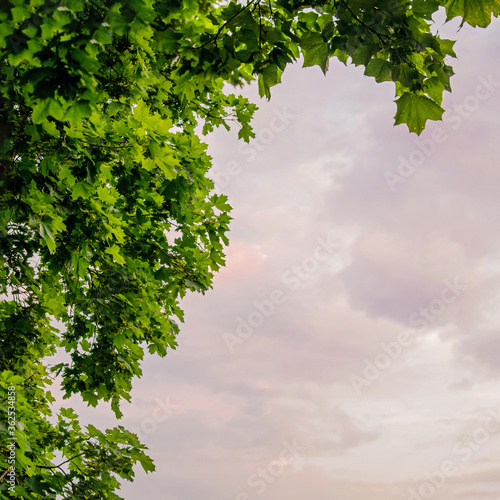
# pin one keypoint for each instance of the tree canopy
(107, 216)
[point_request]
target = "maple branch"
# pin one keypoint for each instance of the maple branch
(62, 463)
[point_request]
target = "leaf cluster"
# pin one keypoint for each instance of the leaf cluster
(107, 213)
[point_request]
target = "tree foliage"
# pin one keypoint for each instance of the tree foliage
(107, 216)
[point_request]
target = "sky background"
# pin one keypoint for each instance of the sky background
(377, 360)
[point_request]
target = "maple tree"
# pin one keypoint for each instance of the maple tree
(106, 214)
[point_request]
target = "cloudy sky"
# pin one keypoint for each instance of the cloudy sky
(350, 348)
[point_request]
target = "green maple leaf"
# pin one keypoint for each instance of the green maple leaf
(380, 69)
(474, 12)
(415, 110)
(316, 51)
(425, 8)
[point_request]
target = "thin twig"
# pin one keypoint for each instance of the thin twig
(62, 463)
(154, 245)
(206, 113)
(72, 458)
(225, 24)
(369, 28)
(102, 145)
(260, 27)
(5, 473)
